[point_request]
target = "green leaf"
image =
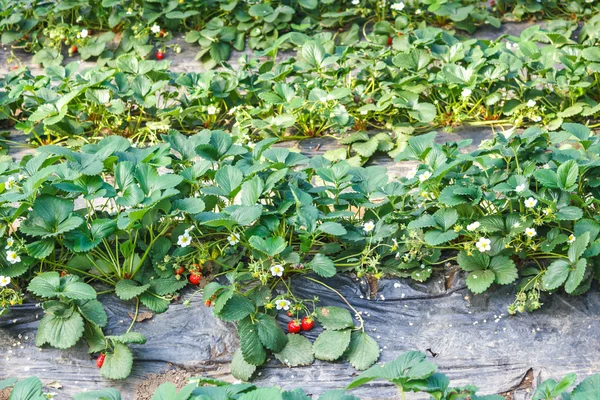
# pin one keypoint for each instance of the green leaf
(229, 178)
(363, 351)
(269, 332)
(127, 289)
(323, 266)
(436, 237)
(578, 247)
(51, 216)
(334, 318)
(240, 369)
(250, 344)
(410, 365)
(93, 311)
(129, 337)
(58, 331)
(567, 174)
(189, 205)
(478, 281)
(40, 249)
(569, 213)
(27, 389)
(50, 284)
(262, 394)
(154, 303)
(235, 308)
(366, 149)
(505, 270)
(103, 394)
(473, 262)
(297, 351)
(271, 246)
(332, 228)
(117, 364)
(576, 276)
(556, 274)
(331, 345)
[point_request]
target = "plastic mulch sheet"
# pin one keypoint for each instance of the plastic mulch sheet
(470, 337)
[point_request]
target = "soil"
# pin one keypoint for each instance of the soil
(177, 376)
(4, 394)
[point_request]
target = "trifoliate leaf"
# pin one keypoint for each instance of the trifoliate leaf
(235, 308)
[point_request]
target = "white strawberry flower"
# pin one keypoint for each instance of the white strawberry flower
(424, 176)
(483, 245)
(418, 11)
(368, 226)
(212, 110)
(531, 103)
(155, 28)
(520, 188)
(473, 226)
(355, 2)
(571, 239)
(530, 202)
(184, 240)
(411, 174)
(397, 6)
(233, 239)
(530, 232)
(277, 270)
(12, 257)
(466, 92)
(4, 281)
(84, 33)
(282, 304)
(10, 183)
(9, 242)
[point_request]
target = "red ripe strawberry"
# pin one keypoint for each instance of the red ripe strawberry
(195, 279)
(294, 326)
(207, 303)
(160, 55)
(100, 360)
(308, 323)
(389, 41)
(73, 49)
(179, 271)
(162, 33)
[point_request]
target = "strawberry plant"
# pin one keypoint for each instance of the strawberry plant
(410, 372)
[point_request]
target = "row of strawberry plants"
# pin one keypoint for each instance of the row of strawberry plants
(410, 372)
(426, 79)
(142, 221)
(88, 27)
